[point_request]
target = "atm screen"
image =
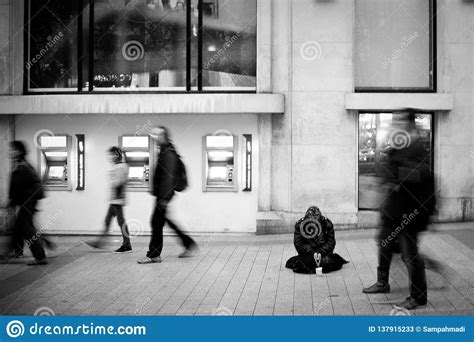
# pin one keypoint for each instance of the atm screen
(56, 172)
(136, 173)
(217, 172)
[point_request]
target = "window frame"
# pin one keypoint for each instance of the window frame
(189, 88)
(391, 111)
(432, 88)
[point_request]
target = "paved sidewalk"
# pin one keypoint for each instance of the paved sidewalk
(233, 275)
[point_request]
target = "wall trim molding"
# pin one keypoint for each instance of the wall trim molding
(394, 101)
(144, 104)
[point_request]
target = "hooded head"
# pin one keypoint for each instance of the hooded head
(311, 225)
(314, 213)
(18, 150)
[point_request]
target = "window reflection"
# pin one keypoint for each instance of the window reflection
(229, 43)
(139, 45)
(52, 31)
(374, 141)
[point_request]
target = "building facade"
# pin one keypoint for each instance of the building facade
(274, 105)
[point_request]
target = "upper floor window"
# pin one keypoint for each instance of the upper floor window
(395, 45)
(141, 45)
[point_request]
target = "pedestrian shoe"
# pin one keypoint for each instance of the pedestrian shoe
(38, 262)
(411, 303)
(123, 249)
(188, 253)
(377, 288)
(148, 260)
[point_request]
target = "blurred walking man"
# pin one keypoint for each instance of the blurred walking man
(406, 210)
(25, 191)
(165, 183)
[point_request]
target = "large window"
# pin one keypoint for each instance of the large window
(395, 45)
(141, 45)
(378, 132)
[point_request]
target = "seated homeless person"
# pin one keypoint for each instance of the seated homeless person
(314, 241)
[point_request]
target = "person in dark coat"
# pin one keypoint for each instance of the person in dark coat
(314, 241)
(164, 184)
(25, 191)
(405, 211)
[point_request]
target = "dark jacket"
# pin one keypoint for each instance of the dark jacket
(25, 186)
(164, 179)
(323, 244)
(410, 172)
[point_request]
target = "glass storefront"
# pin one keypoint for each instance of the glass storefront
(142, 45)
(376, 137)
